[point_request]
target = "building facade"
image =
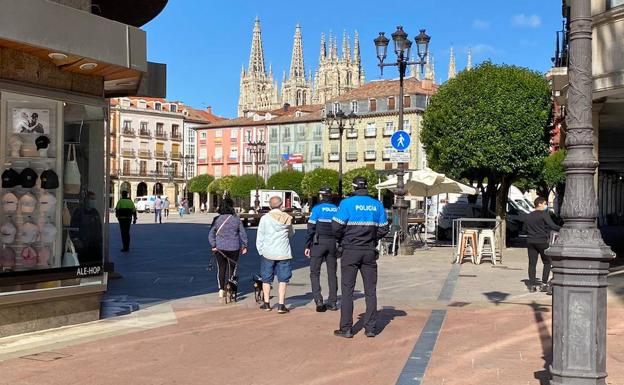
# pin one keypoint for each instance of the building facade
(367, 144)
(147, 144)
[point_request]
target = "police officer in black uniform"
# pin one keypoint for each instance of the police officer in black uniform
(321, 247)
(358, 225)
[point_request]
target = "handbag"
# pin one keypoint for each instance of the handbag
(66, 215)
(70, 257)
(71, 176)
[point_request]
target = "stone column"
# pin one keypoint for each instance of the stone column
(580, 256)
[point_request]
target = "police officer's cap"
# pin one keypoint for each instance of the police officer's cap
(359, 182)
(325, 191)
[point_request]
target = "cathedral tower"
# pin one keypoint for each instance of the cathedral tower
(452, 72)
(258, 91)
(297, 90)
(337, 74)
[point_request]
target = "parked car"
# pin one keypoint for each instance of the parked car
(145, 204)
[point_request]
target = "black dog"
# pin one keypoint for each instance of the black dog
(257, 287)
(231, 290)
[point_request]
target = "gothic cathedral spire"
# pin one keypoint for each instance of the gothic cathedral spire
(323, 53)
(297, 91)
(451, 69)
(297, 68)
(469, 63)
(256, 58)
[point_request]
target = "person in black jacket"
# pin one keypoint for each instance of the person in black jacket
(538, 226)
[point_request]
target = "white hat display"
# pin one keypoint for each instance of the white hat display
(27, 203)
(47, 203)
(29, 232)
(7, 232)
(9, 203)
(15, 143)
(48, 233)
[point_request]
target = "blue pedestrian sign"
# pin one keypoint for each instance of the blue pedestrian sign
(400, 140)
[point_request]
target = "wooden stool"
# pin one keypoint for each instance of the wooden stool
(486, 248)
(467, 245)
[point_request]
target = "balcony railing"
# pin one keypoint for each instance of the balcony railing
(233, 159)
(370, 133)
(128, 132)
(160, 154)
(176, 155)
(370, 155)
(127, 153)
(352, 156)
(388, 131)
(145, 154)
(202, 161)
(160, 134)
(333, 156)
(176, 136)
(217, 159)
(352, 134)
(386, 154)
(145, 133)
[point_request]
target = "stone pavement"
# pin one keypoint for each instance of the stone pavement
(439, 324)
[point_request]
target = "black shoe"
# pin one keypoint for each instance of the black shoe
(321, 308)
(282, 309)
(370, 334)
(265, 306)
(343, 333)
(532, 289)
(331, 306)
(543, 288)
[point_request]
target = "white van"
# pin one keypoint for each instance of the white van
(145, 204)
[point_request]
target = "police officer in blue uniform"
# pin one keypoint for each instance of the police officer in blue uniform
(358, 225)
(321, 247)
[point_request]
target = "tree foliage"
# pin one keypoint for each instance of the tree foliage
(320, 177)
(286, 180)
(222, 185)
(489, 124)
(371, 176)
(199, 184)
(553, 173)
(244, 184)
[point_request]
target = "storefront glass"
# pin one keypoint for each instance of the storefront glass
(53, 192)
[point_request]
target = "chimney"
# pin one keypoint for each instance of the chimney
(286, 106)
(209, 109)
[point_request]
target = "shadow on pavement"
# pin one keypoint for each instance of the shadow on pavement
(497, 298)
(384, 316)
(170, 261)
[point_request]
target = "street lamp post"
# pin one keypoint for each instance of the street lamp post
(339, 118)
(402, 47)
(580, 256)
(257, 149)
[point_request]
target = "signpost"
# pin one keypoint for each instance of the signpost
(400, 142)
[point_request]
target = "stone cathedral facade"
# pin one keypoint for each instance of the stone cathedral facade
(337, 73)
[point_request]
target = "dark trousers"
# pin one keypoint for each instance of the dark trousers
(364, 261)
(226, 266)
(124, 227)
(534, 250)
(324, 251)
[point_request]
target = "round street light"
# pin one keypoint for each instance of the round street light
(381, 43)
(422, 43)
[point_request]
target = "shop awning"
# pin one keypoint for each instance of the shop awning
(79, 39)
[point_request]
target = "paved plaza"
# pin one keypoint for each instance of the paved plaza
(440, 324)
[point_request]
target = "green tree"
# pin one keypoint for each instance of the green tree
(199, 184)
(488, 125)
(553, 173)
(222, 185)
(321, 177)
(371, 176)
(286, 180)
(244, 184)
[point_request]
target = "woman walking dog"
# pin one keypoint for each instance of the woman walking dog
(228, 239)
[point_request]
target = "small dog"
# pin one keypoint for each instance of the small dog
(257, 287)
(231, 290)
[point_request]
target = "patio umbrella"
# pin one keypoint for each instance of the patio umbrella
(426, 183)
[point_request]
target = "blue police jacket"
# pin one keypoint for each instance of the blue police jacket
(320, 221)
(360, 222)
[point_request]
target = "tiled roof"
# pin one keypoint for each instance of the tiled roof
(310, 113)
(381, 88)
(201, 116)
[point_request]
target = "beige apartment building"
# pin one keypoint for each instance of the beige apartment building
(367, 144)
(146, 147)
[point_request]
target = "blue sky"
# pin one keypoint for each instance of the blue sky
(204, 43)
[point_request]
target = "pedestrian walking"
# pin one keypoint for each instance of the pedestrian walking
(158, 205)
(228, 239)
(273, 244)
(125, 212)
(321, 247)
(166, 205)
(538, 226)
(358, 225)
(180, 209)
